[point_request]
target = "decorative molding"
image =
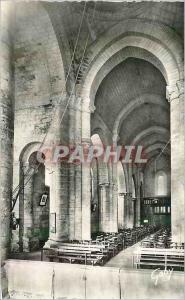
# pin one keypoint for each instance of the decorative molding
(174, 92)
(92, 107)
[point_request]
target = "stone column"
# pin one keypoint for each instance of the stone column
(6, 131)
(113, 197)
(138, 200)
(120, 210)
(59, 185)
(6, 123)
(75, 171)
(59, 210)
(72, 142)
(175, 95)
(104, 207)
(125, 216)
(86, 175)
(130, 209)
(78, 172)
(26, 208)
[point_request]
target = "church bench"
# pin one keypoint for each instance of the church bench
(93, 256)
(156, 257)
(82, 256)
(91, 247)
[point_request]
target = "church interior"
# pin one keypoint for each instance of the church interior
(83, 74)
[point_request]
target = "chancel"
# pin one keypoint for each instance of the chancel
(92, 150)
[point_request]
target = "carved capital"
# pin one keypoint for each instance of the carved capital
(104, 185)
(176, 91)
(180, 86)
(115, 137)
(92, 107)
(87, 105)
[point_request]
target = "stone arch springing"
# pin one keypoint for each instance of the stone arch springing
(162, 43)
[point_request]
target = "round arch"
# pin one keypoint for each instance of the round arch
(162, 43)
(157, 146)
(148, 131)
(28, 150)
(132, 105)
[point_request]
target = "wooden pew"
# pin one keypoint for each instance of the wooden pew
(160, 258)
(76, 253)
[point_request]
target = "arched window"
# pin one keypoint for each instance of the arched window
(161, 183)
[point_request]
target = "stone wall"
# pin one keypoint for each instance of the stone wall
(161, 163)
(43, 280)
(39, 89)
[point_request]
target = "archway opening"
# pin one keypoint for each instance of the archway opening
(33, 205)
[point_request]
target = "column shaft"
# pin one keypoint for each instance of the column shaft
(6, 123)
(177, 163)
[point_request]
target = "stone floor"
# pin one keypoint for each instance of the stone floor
(124, 259)
(36, 255)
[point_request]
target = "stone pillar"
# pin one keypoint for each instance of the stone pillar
(6, 123)
(26, 208)
(104, 207)
(78, 172)
(120, 210)
(138, 199)
(113, 197)
(59, 184)
(6, 130)
(59, 210)
(175, 95)
(130, 203)
(75, 171)
(86, 175)
(125, 216)
(72, 143)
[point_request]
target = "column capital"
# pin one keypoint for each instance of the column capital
(92, 107)
(175, 91)
(87, 105)
(75, 102)
(115, 137)
(104, 184)
(85, 141)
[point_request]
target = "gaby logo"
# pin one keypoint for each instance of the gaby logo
(163, 275)
(85, 153)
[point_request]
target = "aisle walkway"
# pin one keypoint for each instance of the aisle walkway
(124, 259)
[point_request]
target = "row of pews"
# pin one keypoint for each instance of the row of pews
(97, 251)
(133, 236)
(161, 239)
(158, 251)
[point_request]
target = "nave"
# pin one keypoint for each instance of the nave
(92, 149)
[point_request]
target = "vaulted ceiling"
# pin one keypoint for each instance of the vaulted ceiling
(101, 16)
